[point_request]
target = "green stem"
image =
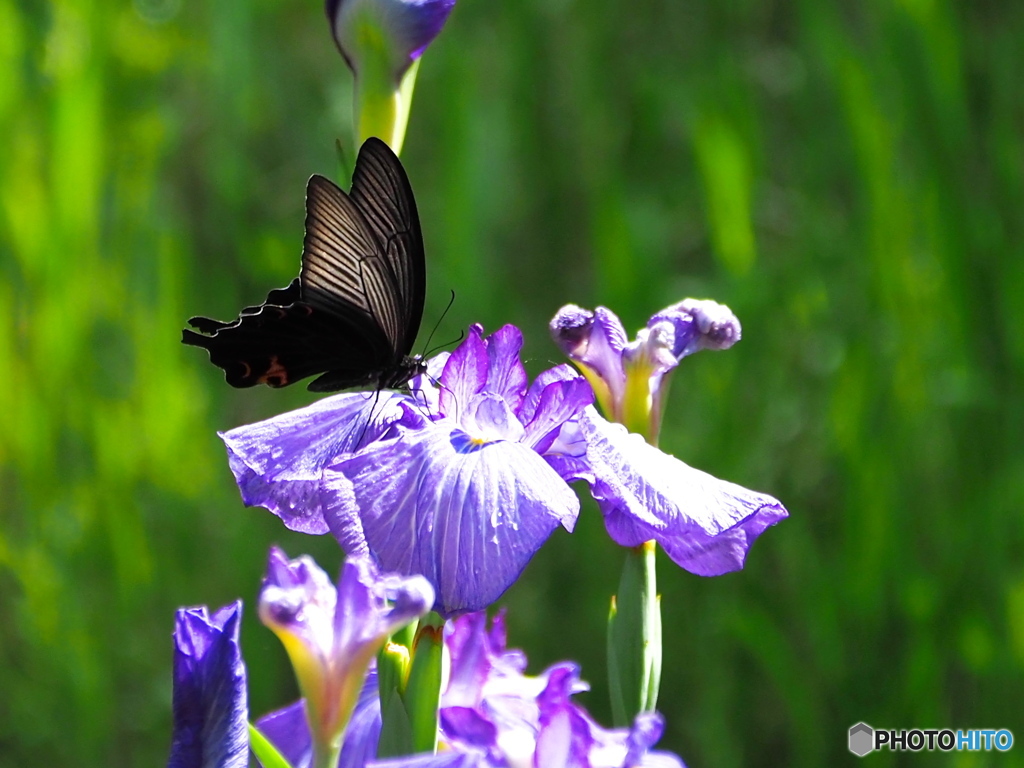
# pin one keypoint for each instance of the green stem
(326, 756)
(423, 692)
(634, 638)
(381, 104)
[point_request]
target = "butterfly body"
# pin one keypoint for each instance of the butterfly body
(353, 312)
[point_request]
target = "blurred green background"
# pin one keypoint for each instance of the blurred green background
(848, 177)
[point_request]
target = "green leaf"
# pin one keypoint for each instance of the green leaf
(396, 736)
(265, 752)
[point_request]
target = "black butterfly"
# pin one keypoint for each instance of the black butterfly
(353, 312)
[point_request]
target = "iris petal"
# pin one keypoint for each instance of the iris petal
(409, 26)
(506, 376)
(210, 706)
(558, 402)
(705, 525)
(469, 522)
(501, 717)
(465, 373)
(699, 324)
(440, 760)
(595, 342)
(288, 730)
(278, 462)
(332, 632)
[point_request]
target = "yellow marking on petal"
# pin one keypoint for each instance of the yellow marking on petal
(637, 405)
(601, 391)
(308, 667)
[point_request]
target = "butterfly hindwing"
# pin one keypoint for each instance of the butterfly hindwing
(353, 313)
(278, 344)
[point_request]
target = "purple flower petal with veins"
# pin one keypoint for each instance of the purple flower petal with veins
(210, 709)
(466, 500)
(478, 658)
(278, 463)
(491, 716)
(469, 518)
(705, 525)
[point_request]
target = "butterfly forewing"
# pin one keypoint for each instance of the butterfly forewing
(337, 241)
(382, 192)
(354, 311)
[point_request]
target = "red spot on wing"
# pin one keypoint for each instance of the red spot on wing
(276, 374)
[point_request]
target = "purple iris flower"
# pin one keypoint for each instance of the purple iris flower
(332, 634)
(406, 28)
(492, 715)
(210, 709)
(704, 524)
(453, 481)
(465, 496)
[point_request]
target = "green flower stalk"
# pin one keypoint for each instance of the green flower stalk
(634, 637)
(382, 41)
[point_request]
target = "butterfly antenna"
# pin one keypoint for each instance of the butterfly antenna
(440, 385)
(369, 420)
(437, 325)
(420, 401)
(456, 340)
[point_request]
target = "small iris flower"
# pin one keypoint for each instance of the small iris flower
(382, 41)
(210, 709)
(332, 634)
(630, 377)
(492, 715)
(704, 524)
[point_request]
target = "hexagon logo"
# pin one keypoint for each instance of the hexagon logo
(862, 738)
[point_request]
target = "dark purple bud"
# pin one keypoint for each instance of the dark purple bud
(210, 707)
